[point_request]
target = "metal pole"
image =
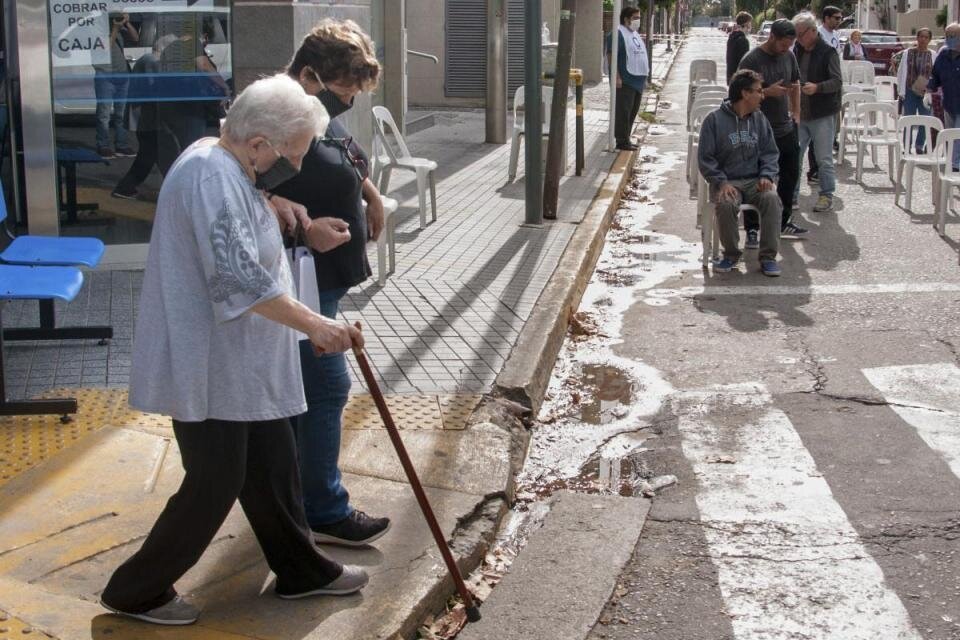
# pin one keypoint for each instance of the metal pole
(614, 52)
(558, 111)
(533, 112)
(581, 161)
(496, 117)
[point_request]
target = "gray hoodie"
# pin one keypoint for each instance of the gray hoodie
(735, 148)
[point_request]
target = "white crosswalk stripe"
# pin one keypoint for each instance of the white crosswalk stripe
(927, 397)
(790, 564)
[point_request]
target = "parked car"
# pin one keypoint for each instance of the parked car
(726, 27)
(764, 31)
(879, 47)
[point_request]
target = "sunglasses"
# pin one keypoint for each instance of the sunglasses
(357, 162)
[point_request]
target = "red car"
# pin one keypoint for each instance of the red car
(879, 47)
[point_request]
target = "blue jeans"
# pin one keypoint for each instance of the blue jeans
(820, 132)
(111, 92)
(326, 384)
(950, 121)
(913, 106)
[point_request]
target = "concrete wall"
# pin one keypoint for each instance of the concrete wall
(908, 23)
(266, 33)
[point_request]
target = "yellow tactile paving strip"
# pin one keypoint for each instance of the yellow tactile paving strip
(26, 441)
(447, 412)
(13, 628)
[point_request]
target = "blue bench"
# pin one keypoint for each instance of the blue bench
(51, 251)
(45, 284)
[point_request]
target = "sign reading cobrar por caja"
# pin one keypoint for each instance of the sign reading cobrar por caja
(80, 31)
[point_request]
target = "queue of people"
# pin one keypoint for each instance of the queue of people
(797, 77)
(257, 416)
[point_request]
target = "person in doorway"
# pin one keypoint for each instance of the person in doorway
(737, 155)
(215, 349)
(913, 74)
(776, 64)
(853, 50)
(821, 87)
(335, 62)
(945, 75)
(738, 43)
(633, 67)
(110, 83)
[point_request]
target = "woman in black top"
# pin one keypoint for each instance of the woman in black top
(335, 62)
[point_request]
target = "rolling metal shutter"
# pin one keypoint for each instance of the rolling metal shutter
(465, 48)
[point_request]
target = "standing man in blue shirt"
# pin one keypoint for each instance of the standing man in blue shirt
(633, 67)
(946, 74)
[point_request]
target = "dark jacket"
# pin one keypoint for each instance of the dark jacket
(735, 148)
(737, 46)
(824, 70)
(848, 52)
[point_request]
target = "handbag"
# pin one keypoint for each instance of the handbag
(304, 271)
(919, 85)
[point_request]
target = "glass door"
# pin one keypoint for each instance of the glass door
(134, 82)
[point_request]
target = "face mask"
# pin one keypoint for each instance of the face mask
(281, 171)
(953, 42)
(635, 25)
(332, 103)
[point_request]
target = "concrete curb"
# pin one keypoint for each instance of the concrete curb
(526, 373)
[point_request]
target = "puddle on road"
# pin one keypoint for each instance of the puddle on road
(658, 130)
(611, 392)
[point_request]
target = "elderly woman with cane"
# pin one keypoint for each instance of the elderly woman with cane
(215, 349)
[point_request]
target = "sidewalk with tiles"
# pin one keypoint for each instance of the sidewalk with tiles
(78, 498)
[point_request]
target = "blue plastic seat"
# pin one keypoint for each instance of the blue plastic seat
(45, 284)
(49, 250)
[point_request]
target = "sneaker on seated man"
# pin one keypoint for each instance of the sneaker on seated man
(738, 157)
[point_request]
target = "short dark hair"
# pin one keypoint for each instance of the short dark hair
(929, 32)
(782, 28)
(627, 12)
(740, 82)
(829, 11)
(743, 18)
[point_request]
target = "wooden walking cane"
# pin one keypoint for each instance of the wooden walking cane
(473, 612)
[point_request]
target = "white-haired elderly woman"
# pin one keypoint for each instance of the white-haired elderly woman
(215, 349)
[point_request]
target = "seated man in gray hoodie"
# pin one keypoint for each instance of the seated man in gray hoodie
(738, 158)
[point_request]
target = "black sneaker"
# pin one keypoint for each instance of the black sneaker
(356, 530)
(125, 152)
(791, 229)
(106, 153)
(813, 178)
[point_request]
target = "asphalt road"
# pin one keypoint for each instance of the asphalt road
(812, 421)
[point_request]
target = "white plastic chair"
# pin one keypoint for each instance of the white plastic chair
(850, 124)
(714, 100)
(706, 213)
(703, 69)
(519, 100)
(386, 243)
(400, 158)
(885, 88)
(698, 89)
(948, 177)
(908, 130)
(879, 130)
(693, 137)
(860, 73)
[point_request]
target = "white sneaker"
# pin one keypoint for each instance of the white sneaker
(350, 581)
(176, 612)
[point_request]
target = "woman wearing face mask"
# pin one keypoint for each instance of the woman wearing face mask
(335, 62)
(633, 68)
(214, 349)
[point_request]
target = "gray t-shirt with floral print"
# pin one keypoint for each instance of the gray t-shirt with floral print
(199, 352)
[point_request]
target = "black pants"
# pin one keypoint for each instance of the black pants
(627, 108)
(789, 148)
(147, 156)
(253, 461)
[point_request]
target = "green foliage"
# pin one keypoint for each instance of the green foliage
(942, 17)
